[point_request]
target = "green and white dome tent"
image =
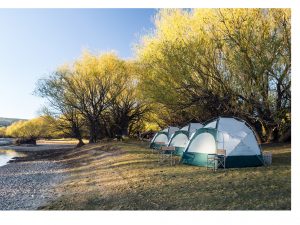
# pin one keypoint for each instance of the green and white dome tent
(162, 137)
(181, 137)
(229, 133)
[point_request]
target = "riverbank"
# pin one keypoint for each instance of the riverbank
(42, 145)
(127, 176)
(28, 182)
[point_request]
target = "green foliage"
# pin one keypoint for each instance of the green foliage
(97, 93)
(208, 62)
(35, 128)
(2, 131)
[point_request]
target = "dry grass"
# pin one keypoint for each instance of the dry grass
(127, 176)
(62, 141)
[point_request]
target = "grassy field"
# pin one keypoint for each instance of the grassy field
(126, 176)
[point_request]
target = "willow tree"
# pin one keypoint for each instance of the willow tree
(91, 84)
(257, 50)
(98, 92)
(181, 66)
(2, 132)
(30, 129)
(209, 62)
(128, 109)
(65, 119)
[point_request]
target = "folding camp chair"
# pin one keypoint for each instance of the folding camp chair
(211, 161)
(218, 160)
(157, 146)
(267, 158)
(221, 153)
(167, 152)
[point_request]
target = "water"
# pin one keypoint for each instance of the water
(6, 155)
(5, 141)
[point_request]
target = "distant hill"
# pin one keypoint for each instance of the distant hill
(4, 122)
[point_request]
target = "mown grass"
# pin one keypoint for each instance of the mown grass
(126, 176)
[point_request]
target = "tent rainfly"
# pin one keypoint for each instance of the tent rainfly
(229, 133)
(181, 137)
(162, 137)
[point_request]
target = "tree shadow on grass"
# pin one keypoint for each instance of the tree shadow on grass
(282, 159)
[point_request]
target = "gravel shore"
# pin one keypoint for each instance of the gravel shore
(28, 183)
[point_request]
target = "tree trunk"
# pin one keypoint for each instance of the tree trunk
(271, 133)
(93, 132)
(80, 143)
(77, 134)
(124, 127)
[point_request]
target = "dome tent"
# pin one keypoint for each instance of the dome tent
(181, 137)
(229, 133)
(162, 136)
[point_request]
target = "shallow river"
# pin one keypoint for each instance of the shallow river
(6, 155)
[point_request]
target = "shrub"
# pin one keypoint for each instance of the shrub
(2, 132)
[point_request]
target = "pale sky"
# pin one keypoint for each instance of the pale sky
(34, 42)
